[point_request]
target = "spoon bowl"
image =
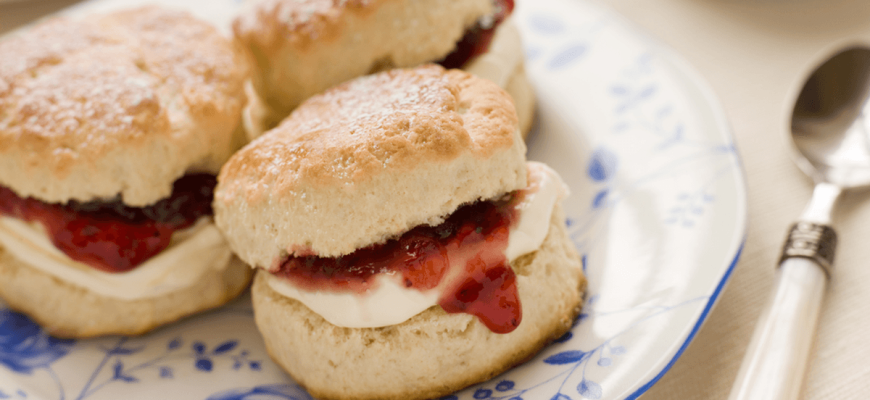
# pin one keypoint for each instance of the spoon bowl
(830, 125)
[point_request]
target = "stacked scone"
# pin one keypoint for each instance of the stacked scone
(301, 48)
(405, 246)
(111, 132)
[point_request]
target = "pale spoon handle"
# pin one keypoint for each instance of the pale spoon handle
(773, 367)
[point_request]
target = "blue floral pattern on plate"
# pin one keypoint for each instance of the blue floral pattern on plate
(265, 392)
(654, 175)
(25, 347)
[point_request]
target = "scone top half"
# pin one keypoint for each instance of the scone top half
(301, 48)
(116, 105)
(367, 161)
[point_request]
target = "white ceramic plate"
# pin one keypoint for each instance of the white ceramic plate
(657, 211)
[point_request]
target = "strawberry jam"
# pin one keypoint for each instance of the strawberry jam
(465, 255)
(478, 37)
(109, 235)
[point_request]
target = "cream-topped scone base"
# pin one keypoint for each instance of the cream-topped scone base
(71, 311)
(389, 302)
(417, 359)
(193, 253)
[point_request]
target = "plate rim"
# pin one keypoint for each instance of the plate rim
(696, 86)
(725, 129)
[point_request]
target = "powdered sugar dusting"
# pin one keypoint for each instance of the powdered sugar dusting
(84, 95)
(377, 101)
(26, 55)
(360, 128)
(107, 77)
(306, 18)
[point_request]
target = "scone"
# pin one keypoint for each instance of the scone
(405, 248)
(301, 48)
(112, 130)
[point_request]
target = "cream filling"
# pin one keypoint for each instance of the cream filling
(391, 303)
(498, 64)
(503, 57)
(192, 253)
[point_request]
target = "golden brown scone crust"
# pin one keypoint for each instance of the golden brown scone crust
(367, 161)
(301, 48)
(433, 353)
(70, 311)
(123, 103)
(257, 112)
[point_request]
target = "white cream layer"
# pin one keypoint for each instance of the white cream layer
(193, 252)
(504, 55)
(391, 303)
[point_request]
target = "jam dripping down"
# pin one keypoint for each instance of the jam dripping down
(478, 37)
(468, 249)
(108, 235)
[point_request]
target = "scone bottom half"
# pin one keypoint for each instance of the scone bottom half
(432, 354)
(419, 172)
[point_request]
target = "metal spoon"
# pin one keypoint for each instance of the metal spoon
(830, 128)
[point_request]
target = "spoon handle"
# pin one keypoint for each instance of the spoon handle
(774, 365)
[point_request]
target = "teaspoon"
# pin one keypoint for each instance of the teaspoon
(830, 129)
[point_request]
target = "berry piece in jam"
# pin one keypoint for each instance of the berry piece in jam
(109, 235)
(477, 38)
(468, 249)
(489, 293)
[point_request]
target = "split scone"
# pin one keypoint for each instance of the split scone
(405, 247)
(112, 129)
(301, 48)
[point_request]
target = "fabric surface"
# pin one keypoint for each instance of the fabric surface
(755, 54)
